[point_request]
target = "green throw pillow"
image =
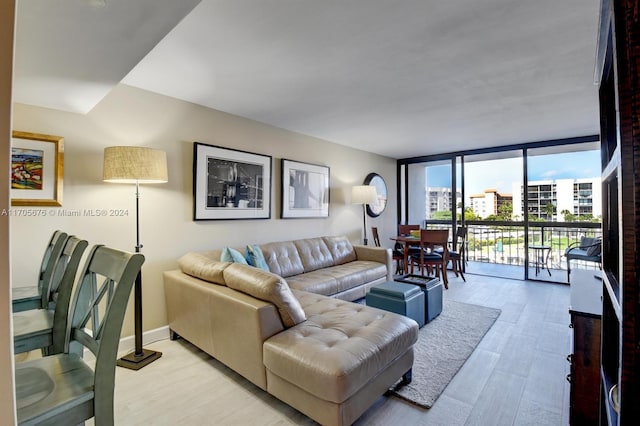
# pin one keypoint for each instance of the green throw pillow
(232, 255)
(255, 257)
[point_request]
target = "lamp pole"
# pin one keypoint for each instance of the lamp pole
(139, 357)
(364, 223)
(138, 284)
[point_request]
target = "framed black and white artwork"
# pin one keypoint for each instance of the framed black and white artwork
(305, 190)
(230, 184)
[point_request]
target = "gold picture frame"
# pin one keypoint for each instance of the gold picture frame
(37, 169)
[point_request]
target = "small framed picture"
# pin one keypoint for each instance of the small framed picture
(230, 184)
(37, 169)
(305, 190)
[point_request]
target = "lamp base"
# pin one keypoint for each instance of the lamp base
(136, 362)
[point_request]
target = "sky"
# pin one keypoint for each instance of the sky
(499, 174)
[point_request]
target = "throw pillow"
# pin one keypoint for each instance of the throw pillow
(595, 249)
(255, 257)
(232, 255)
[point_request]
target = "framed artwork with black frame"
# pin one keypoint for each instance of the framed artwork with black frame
(230, 184)
(305, 190)
(375, 180)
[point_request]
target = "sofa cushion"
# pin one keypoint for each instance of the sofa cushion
(232, 255)
(320, 281)
(341, 249)
(314, 254)
(283, 258)
(340, 347)
(336, 279)
(265, 286)
(200, 266)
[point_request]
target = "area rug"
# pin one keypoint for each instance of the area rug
(443, 346)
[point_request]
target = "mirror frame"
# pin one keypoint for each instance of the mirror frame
(377, 181)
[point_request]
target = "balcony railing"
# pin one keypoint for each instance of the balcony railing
(504, 242)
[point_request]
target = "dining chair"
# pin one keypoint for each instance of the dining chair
(397, 253)
(64, 388)
(45, 328)
(430, 239)
(406, 229)
(457, 254)
(31, 297)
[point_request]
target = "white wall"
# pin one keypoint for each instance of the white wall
(130, 116)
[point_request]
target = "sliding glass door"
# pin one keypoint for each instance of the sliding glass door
(564, 204)
(495, 241)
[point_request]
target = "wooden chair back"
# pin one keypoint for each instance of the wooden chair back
(435, 238)
(460, 239)
(61, 289)
(376, 237)
(118, 271)
(433, 252)
(50, 259)
(406, 229)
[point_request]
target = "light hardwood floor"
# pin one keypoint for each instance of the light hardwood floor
(516, 376)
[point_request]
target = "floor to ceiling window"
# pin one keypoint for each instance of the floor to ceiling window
(522, 205)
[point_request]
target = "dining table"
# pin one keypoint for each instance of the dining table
(407, 241)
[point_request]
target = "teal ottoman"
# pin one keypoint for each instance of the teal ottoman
(432, 288)
(400, 298)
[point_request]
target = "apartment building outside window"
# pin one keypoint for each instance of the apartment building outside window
(489, 203)
(560, 200)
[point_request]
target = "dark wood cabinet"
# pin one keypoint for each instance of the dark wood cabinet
(618, 75)
(585, 310)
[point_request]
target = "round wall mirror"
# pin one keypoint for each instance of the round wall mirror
(375, 180)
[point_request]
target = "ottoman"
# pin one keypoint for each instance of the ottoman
(432, 288)
(433, 295)
(337, 363)
(401, 298)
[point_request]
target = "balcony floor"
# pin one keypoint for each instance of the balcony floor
(516, 272)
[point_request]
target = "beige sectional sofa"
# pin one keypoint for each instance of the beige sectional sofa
(288, 331)
(331, 266)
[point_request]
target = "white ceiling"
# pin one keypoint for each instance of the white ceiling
(71, 53)
(399, 78)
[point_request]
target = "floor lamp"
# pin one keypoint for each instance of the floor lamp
(133, 164)
(364, 194)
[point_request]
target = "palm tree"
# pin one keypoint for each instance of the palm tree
(549, 210)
